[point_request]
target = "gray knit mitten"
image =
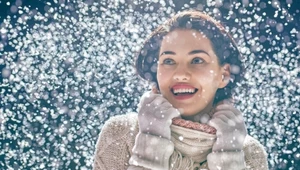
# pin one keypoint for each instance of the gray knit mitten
(231, 133)
(153, 146)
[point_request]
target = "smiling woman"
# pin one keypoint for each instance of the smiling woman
(187, 121)
(188, 62)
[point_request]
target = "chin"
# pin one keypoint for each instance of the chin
(187, 112)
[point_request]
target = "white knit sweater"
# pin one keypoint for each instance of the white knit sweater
(117, 137)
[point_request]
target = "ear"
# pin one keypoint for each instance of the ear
(225, 77)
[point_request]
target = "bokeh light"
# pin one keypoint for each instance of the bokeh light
(66, 67)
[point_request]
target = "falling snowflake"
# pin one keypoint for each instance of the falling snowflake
(66, 67)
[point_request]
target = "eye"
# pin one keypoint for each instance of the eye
(197, 60)
(168, 61)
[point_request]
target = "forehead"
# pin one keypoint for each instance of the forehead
(184, 38)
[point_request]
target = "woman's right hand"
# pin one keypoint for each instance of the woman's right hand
(153, 146)
(155, 115)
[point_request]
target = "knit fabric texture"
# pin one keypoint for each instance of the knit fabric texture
(194, 125)
(117, 137)
(192, 147)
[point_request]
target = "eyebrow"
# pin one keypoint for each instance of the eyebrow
(190, 53)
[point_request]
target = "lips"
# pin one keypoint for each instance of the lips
(184, 91)
(181, 89)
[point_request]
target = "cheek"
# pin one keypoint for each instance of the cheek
(162, 73)
(207, 75)
(208, 80)
(159, 74)
(163, 78)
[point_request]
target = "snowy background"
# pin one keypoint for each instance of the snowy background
(66, 67)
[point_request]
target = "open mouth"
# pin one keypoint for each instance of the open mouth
(181, 92)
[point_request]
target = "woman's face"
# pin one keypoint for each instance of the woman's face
(188, 71)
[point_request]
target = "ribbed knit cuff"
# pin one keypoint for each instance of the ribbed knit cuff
(151, 152)
(226, 160)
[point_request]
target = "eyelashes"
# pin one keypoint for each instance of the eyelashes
(196, 60)
(168, 61)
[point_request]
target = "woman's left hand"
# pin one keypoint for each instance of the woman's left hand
(231, 128)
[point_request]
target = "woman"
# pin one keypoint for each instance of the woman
(187, 121)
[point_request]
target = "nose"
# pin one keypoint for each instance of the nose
(181, 74)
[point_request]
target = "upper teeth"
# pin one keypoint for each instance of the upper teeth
(184, 90)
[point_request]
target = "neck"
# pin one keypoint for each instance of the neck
(203, 116)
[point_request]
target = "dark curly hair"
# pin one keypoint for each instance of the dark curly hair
(222, 42)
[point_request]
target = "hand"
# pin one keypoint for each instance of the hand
(153, 146)
(155, 114)
(231, 129)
